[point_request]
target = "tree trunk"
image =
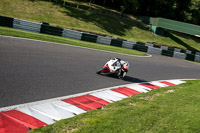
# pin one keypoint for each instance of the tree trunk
(104, 2)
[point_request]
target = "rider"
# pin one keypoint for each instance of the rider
(120, 61)
(120, 71)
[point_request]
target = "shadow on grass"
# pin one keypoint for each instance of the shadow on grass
(111, 24)
(196, 39)
(179, 41)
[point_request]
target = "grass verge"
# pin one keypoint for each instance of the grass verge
(165, 110)
(70, 17)
(44, 37)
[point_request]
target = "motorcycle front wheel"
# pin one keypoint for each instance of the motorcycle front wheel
(121, 74)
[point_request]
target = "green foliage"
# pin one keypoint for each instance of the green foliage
(186, 11)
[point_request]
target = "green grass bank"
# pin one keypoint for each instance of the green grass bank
(50, 38)
(70, 17)
(173, 109)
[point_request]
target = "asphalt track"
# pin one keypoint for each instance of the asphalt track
(33, 70)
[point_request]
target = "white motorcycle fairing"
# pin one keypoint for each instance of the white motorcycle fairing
(114, 65)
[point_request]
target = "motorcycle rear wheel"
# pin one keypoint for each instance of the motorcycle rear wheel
(99, 71)
(124, 74)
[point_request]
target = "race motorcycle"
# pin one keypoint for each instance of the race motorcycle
(116, 67)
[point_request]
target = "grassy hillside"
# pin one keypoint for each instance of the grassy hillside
(70, 17)
(173, 109)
